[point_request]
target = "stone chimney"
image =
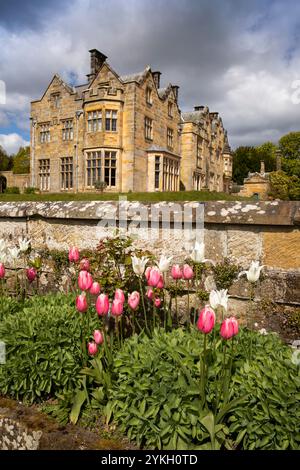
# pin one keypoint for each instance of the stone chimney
(262, 167)
(97, 60)
(175, 89)
(199, 108)
(278, 160)
(156, 77)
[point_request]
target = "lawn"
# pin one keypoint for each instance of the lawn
(144, 197)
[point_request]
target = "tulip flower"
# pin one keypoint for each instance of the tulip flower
(229, 328)
(157, 302)
(3, 257)
(13, 253)
(253, 272)
(117, 308)
(81, 303)
(85, 280)
(164, 263)
(3, 245)
(31, 274)
(206, 320)
(92, 348)
(176, 272)
(160, 284)
(119, 295)
(74, 254)
(84, 264)
(197, 254)
(95, 288)
(98, 337)
(188, 272)
(150, 294)
(147, 272)
(219, 297)
(2, 271)
(24, 244)
(102, 305)
(154, 277)
(134, 300)
(139, 264)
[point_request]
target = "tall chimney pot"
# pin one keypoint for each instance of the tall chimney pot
(156, 77)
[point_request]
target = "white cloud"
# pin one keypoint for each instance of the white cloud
(12, 142)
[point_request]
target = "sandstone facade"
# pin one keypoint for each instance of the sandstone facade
(125, 131)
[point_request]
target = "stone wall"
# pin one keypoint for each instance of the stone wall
(265, 231)
(21, 181)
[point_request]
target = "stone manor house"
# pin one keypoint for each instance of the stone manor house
(126, 131)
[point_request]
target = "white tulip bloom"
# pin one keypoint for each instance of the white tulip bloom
(13, 253)
(263, 331)
(3, 257)
(24, 244)
(219, 297)
(253, 272)
(139, 264)
(164, 263)
(197, 254)
(3, 245)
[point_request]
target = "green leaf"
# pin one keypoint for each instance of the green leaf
(79, 399)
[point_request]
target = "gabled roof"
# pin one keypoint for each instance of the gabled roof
(136, 77)
(61, 82)
(163, 93)
(79, 89)
(194, 116)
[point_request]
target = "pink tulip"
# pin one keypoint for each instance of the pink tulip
(31, 274)
(85, 280)
(98, 337)
(176, 272)
(95, 288)
(102, 305)
(157, 302)
(81, 303)
(206, 320)
(117, 308)
(147, 272)
(154, 277)
(188, 272)
(84, 264)
(229, 328)
(134, 300)
(150, 294)
(119, 295)
(74, 254)
(2, 271)
(92, 348)
(160, 284)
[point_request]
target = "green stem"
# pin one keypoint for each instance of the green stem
(143, 302)
(176, 302)
(188, 303)
(203, 374)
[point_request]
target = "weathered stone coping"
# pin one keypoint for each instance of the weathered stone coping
(280, 213)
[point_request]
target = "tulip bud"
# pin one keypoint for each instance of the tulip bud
(154, 277)
(150, 294)
(188, 272)
(119, 295)
(229, 328)
(134, 300)
(95, 288)
(81, 303)
(84, 264)
(92, 349)
(85, 280)
(102, 305)
(74, 255)
(157, 302)
(176, 272)
(98, 337)
(147, 272)
(31, 274)
(2, 271)
(117, 308)
(160, 284)
(206, 320)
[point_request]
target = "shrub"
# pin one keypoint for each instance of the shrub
(30, 190)
(12, 190)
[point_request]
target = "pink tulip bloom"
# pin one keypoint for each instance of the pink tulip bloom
(154, 277)
(74, 255)
(176, 272)
(95, 288)
(188, 272)
(102, 305)
(119, 295)
(229, 328)
(147, 272)
(150, 294)
(160, 284)
(31, 274)
(157, 302)
(206, 320)
(81, 303)
(85, 280)
(98, 337)
(2, 271)
(117, 308)
(84, 264)
(134, 300)
(92, 348)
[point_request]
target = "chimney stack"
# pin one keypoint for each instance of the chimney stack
(262, 167)
(175, 89)
(97, 60)
(278, 160)
(198, 108)
(156, 77)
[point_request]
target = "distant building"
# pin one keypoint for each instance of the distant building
(257, 184)
(125, 131)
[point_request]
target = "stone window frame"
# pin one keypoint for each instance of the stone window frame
(66, 173)
(170, 138)
(44, 174)
(171, 168)
(94, 120)
(67, 129)
(101, 165)
(148, 128)
(156, 171)
(111, 120)
(149, 96)
(55, 99)
(170, 109)
(199, 146)
(45, 136)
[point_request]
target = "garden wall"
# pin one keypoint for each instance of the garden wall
(241, 231)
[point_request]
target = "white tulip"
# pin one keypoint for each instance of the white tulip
(219, 297)
(263, 331)
(197, 254)
(3, 257)
(139, 264)
(3, 245)
(24, 244)
(13, 253)
(164, 263)
(253, 272)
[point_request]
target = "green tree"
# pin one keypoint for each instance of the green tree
(289, 146)
(245, 160)
(5, 160)
(22, 161)
(267, 153)
(284, 187)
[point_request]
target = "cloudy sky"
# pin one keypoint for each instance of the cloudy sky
(239, 57)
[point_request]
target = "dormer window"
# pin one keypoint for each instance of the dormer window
(148, 95)
(55, 99)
